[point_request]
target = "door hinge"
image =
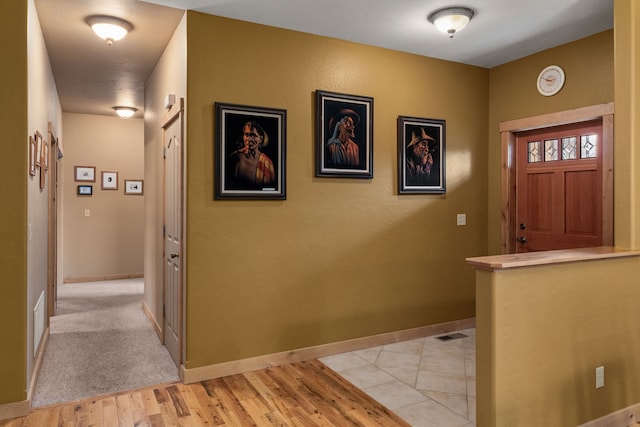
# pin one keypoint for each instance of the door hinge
(164, 231)
(164, 152)
(163, 311)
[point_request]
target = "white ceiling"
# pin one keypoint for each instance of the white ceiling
(93, 77)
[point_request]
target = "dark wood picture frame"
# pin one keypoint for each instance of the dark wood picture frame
(250, 152)
(421, 155)
(85, 190)
(344, 135)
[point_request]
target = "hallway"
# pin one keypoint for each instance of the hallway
(100, 343)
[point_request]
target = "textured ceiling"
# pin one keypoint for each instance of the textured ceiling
(92, 77)
(501, 30)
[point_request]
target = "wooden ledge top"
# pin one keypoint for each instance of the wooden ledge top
(532, 259)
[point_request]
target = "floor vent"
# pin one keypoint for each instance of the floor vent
(450, 337)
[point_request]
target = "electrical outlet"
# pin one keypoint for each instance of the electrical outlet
(461, 219)
(600, 377)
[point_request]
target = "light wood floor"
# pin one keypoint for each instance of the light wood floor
(301, 394)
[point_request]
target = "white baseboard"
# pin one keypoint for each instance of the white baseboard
(154, 322)
(622, 418)
(260, 362)
(37, 365)
(104, 277)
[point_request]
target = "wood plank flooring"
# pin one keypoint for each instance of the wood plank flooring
(300, 394)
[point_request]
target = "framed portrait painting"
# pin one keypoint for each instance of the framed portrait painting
(421, 156)
(250, 147)
(344, 135)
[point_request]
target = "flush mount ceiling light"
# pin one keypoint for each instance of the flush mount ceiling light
(109, 28)
(125, 112)
(451, 19)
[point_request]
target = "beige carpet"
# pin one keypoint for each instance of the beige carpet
(101, 342)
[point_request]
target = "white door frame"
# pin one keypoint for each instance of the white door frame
(52, 225)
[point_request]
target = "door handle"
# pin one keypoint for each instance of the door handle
(522, 239)
(174, 255)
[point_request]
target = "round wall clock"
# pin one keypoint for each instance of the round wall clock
(550, 80)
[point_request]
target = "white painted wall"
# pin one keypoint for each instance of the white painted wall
(169, 76)
(109, 243)
(44, 107)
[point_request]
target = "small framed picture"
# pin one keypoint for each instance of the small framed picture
(85, 173)
(109, 180)
(44, 161)
(85, 190)
(43, 177)
(421, 156)
(32, 156)
(344, 135)
(38, 153)
(133, 186)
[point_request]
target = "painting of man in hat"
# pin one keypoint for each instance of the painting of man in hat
(342, 150)
(420, 155)
(344, 138)
(420, 151)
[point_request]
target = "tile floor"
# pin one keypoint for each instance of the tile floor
(426, 381)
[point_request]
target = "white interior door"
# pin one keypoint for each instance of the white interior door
(172, 141)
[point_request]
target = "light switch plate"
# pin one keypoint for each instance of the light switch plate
(600, 377)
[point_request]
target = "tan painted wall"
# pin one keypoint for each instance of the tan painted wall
(545, 330)
(627, 125)
(111, 240)
(44, 107)
(13, 209)
(169, 76)
(588, 65)
(340, 258)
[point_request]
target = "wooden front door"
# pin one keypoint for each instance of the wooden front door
(559, 187)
